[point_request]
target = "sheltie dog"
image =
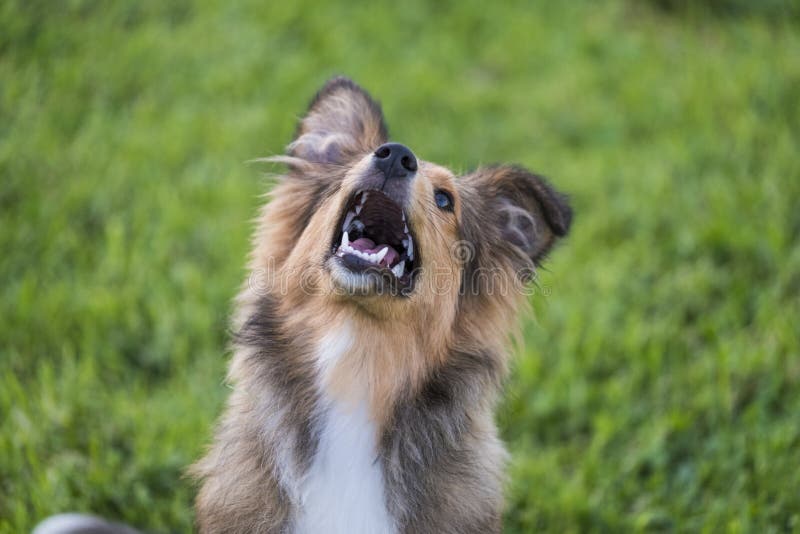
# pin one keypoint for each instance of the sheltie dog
(371, 336)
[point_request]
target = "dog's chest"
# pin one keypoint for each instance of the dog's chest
(343, 490)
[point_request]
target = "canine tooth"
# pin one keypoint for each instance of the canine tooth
(410, 248)
(347, 220)
(363, 198)
(358, 208)
(380, 255)
(399, 269)
(405, 228)
(345, 240)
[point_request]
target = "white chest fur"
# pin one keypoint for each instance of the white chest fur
(343, 489)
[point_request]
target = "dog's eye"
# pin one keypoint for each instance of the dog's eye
(444, 200)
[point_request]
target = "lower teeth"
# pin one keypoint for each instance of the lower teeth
(399, 269)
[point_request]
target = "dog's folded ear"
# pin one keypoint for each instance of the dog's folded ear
(343, 122)
(521, 210)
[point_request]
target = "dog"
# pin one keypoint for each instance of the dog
(371, 336)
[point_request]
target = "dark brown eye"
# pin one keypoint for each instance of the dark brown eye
(444, 201)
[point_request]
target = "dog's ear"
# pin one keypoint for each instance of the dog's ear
(521, 213)
(342, 122)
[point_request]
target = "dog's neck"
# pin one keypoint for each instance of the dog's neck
(363, 358)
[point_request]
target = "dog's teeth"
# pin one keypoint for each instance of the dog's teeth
(405, 228)
(363, 198)
(404, 216)
(345, 240)
(399, 269)
(409, 246)
(358, 208)
(348, 220)
(380, 255)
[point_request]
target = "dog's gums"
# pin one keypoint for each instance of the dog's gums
(374, 234)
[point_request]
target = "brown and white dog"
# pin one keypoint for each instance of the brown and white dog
(371, 337)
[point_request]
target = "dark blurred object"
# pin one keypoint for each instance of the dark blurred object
(767, 9)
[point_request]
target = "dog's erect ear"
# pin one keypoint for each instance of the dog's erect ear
(343, 122)
(524, 214)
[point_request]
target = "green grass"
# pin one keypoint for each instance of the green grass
(659, 388)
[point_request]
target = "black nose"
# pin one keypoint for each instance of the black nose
(395, 160)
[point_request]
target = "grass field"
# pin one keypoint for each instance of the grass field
(659, 387)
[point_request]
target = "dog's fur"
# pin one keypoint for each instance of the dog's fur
(410, 379)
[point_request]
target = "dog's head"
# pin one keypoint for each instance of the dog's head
(392, 233)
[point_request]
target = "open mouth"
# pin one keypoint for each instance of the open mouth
(374, 234)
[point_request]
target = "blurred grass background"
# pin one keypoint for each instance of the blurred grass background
(659, 389)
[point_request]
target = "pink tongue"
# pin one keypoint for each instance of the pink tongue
(363, 244)
(368, 246)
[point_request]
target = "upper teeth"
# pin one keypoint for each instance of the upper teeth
(348, 220)
(409, 244)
